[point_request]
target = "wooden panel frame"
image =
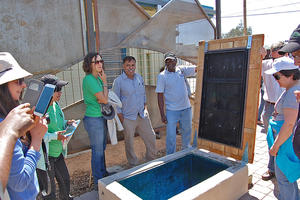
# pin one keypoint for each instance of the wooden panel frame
(252, 96)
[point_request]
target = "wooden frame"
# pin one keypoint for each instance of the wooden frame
(252, 96)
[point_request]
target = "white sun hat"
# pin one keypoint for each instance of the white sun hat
(282, 63)
(10, 70)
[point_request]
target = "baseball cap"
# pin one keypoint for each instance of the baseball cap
(293, 43)
(170, 55)
(283, 63)
(10, 70)
(51, 79)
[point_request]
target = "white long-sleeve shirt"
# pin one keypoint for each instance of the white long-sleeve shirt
(271, 87)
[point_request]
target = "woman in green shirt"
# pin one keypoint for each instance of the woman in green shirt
(95, 92)
(53, 140)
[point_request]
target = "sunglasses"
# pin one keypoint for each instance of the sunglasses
(21, 81)
(98, 61)
(58, 89)
(276, 76)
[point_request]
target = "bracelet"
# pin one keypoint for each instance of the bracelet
(104, 85)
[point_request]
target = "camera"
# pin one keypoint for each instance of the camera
(39, 95)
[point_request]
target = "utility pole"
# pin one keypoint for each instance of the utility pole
(91, 39)
(245, 18)
(218, 19)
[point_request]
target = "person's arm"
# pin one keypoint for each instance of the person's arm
(188, 70)
(15, 125)
(117, 90)
(24, 166)
(161, 104)
(290, 116)
(102, 97)
(160, 89)
(297, 94)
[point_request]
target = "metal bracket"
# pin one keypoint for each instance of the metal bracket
(249, 43)
(205, 47)
(245, 154)
(195, 139)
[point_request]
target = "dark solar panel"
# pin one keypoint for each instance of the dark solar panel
(223, 96)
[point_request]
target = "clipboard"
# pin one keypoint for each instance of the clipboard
(71, 128)
(69, 132)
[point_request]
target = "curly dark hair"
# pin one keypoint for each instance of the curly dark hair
(87, 62)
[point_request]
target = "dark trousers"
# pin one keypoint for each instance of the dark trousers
(43, 182)
(59, 171)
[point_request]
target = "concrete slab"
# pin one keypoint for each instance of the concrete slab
(261, 190)
(88, 196)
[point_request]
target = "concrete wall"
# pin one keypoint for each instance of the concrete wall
(80, 140)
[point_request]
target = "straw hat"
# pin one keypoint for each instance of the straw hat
(10, 70)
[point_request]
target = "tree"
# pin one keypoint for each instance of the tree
(237, 31)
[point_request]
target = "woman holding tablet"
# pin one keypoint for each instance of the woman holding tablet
(22, 182)
(53, 140)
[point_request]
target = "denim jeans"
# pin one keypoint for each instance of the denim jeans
(287, 190)
(262, 103)
(184, 117)
(267, 113)
(97, 131)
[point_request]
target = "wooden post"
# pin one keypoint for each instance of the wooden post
(96, 25)
(90, 26)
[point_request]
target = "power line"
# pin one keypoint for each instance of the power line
(258, 14)
(282, 5)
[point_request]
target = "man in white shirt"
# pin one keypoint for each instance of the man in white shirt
(172, 91)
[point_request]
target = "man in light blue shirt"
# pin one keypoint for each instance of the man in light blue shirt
(130, 89)
(172, 90)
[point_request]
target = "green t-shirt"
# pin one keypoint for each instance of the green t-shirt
(56, 124)
(90, 87)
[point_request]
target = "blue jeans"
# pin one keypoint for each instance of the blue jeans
(184, 117)
(287, 190)
(262, 103)
(97, 131)
(267, 113)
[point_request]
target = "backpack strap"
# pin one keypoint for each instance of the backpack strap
(47, 164)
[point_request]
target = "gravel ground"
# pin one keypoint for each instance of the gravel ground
(79, 164)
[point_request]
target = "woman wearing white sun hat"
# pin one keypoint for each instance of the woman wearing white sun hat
(22, 182)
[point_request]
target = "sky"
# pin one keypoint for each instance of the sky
(277, 26)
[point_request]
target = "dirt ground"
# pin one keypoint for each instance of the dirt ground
(79, 165)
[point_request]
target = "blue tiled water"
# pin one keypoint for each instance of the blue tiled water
(170, 179)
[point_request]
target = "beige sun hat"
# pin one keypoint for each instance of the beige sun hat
(10, 70)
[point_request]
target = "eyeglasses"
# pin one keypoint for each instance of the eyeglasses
(21, 81)
(98, 61)
(58, 89)
(276, 76)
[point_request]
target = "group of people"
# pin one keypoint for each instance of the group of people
(32, 150)
(129, 87)
(282, 91)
